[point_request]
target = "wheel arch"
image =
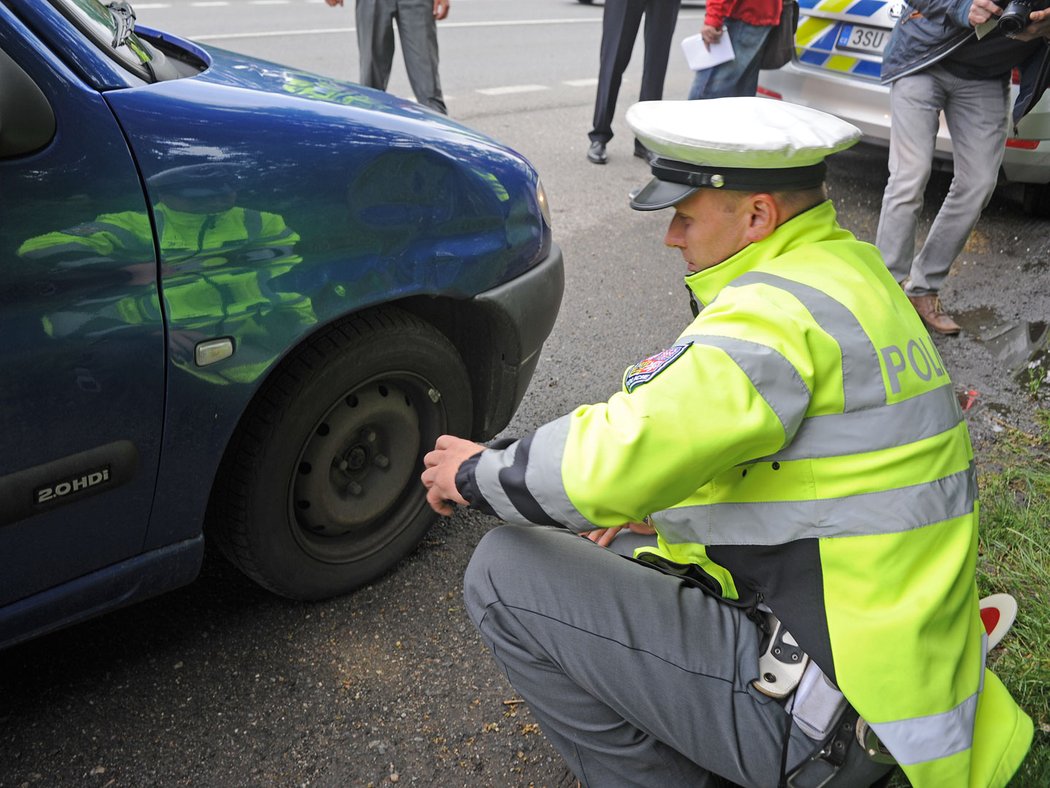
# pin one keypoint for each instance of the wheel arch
(482, 336)
(274, 386)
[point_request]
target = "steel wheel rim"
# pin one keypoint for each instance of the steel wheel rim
(353, 475)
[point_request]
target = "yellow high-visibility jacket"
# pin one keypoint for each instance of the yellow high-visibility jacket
(801, 443)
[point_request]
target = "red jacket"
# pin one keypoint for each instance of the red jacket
(754, 12)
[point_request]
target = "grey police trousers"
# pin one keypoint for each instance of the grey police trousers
(635, 677)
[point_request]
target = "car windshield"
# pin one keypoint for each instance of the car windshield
(112, 27)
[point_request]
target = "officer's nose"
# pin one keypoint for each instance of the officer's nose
(673, 236)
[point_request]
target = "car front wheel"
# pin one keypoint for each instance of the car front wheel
(320, 491)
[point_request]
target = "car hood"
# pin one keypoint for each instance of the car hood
(388, 198)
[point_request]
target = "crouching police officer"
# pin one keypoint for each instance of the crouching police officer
(798, 450)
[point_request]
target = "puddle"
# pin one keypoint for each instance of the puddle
(978, 321)
(1018, 344)
(1022, 346)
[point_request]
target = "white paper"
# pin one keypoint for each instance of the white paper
(700, 57)
(985, 28)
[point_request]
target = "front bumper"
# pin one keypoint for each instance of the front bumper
(520, 313)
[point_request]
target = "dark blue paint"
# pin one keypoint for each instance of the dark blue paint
(112, 269)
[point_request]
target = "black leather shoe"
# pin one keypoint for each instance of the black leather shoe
(642, 152)
(596, 153)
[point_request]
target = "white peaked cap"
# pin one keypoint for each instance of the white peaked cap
(746, 143)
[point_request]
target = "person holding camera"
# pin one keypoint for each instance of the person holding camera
(937, 61)
(801, 455)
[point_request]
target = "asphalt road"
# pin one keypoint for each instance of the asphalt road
(223, 684)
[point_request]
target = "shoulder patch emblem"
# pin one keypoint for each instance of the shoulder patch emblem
(648, 368)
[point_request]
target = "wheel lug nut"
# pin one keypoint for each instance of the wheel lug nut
(343, 465)
(380, 461)
(354, 488)
(369, 435)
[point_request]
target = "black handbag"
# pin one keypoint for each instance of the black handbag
(780, 44)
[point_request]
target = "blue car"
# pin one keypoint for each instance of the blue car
(239, 302)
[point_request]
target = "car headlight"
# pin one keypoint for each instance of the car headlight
(541, 198)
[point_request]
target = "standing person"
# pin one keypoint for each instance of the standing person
(417, 28)
(935, 63)
(620, 22)
(799, 449)
(748, 23)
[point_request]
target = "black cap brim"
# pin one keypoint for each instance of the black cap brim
(658, 194)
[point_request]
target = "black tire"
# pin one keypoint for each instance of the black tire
(1037, 199)
(319, 491)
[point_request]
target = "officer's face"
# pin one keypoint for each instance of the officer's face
(709, 227)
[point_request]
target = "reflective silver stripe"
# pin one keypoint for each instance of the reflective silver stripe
(773, 377)
(252, 224)
(921, 739)
(861, 373)
(779, 522)
(78, 247)
(486, 474)
(886, 426)
(544, 477)
(127, 238)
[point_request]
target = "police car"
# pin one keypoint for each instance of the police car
(239, 303)
(836, 68)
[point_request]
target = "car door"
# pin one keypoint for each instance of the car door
(82, 356)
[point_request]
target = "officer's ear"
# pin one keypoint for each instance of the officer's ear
(763, 214)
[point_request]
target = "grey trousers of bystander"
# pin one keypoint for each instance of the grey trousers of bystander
(976, 114)
(635, 677)
(417, 31)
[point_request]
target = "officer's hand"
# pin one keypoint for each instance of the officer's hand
(983, 10)
(440, 9)
(603, 537)
(440, 475)
(711, 35)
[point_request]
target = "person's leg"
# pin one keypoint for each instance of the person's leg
(620, 22)
(915, 105)
(375, 41)
(635, 678)
(419, 45)
(976, 114)
(739, 76)
(661, 16)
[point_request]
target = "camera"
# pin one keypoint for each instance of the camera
(1015, 16)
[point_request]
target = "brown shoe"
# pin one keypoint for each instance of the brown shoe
(929, 309)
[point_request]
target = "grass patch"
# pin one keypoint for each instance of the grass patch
(1014, 557)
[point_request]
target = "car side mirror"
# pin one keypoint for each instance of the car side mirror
(27, 122)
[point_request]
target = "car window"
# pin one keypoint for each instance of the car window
(111, 27)
(27, 122)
